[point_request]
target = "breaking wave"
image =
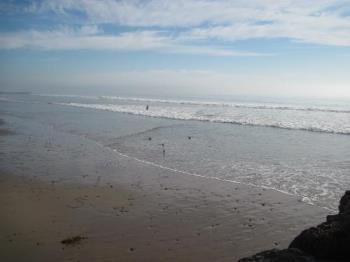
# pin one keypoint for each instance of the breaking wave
(314, 121)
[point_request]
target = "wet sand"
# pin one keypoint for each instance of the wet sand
(162, 221)
(129, 211)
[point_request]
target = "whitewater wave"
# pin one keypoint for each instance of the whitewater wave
(227, 104)
(313, 123)
(251, 105)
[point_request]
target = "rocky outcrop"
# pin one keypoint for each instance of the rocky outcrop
(344, 206)
(329, 241)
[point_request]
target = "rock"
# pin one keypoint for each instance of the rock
(275, 255)
(328, 242)
(331, 239)
(344, 206)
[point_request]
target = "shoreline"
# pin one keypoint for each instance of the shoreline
(58, 186)
(139, 222)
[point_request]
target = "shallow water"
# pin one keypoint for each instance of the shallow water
(291, 158)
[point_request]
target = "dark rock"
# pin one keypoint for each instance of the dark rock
(328, 242)
(344, 206)
(275, 255)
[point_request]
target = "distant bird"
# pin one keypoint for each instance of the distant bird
(150, 138)
(147, 107)
(189, 137)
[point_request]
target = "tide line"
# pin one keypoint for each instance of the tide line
(302, 198)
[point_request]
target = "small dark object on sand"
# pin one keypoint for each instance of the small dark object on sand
(150, 138)
(72, 240)
(189, 137)
(147, 107)
(5, 132)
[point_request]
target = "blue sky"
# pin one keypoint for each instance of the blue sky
(180, 47)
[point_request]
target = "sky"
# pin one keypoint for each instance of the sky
(176, 47)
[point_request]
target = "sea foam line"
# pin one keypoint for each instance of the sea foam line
(302, 198)
(248, 105)
(139, 111)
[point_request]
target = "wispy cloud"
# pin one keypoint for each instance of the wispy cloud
(181, 26)
(92, 38)
(84, 38)
(323, 22)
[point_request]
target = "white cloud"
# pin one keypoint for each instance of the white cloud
(185, 26)
(181, 12)
(320, 30)
(92, 38)
(86, 38)
(321, 21)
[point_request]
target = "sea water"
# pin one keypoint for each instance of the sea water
(298, 147)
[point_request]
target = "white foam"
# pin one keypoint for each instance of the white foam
(231, 104)
(274, 106)
(315, 121)
(302, 198)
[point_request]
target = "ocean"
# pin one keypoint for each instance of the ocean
(299, 147)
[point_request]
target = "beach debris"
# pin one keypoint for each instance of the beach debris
(5, 132)
(123, 210)
(72, 240)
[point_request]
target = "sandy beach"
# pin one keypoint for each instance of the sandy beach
(126, 210)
